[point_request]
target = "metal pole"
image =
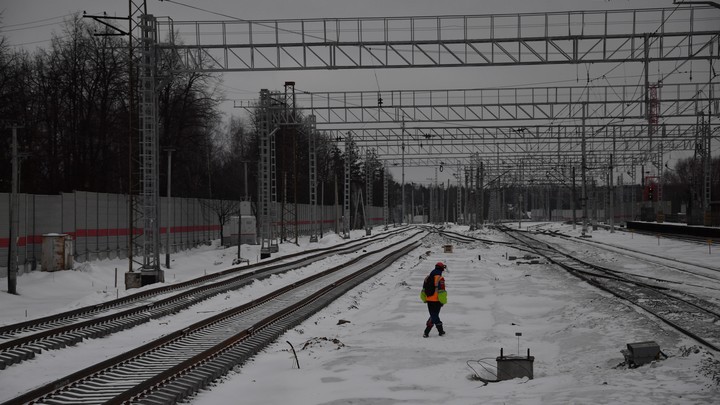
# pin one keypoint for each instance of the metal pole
(583, 175)
(612, 195)
(481, 185)
(12, 246)
(447, 202)
(573, 204)
(167, 232)
(402, 187)
(247, 198)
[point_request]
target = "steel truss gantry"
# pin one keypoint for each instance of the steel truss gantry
(542, 164)
(647, 35)
(459, 142)
(571, 37)
(499, 104)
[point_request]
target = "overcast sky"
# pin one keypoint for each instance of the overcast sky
(30, 24)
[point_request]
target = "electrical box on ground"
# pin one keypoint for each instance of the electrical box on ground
(240, 228)
(133, 279)
(509, 367)
(640, 353)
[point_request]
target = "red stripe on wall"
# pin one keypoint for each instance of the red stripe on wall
(105, 232)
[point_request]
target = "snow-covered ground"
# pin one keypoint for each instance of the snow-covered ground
(574, 331)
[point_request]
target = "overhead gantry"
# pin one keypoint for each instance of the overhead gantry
(678, 34)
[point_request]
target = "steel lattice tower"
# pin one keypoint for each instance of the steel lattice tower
(267, 186)
(346, 188)
(312, 157)
(386, 217)
(369, 175)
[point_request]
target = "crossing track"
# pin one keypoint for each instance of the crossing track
(177, 365)
(691, 315)
(458, 237)
(25, 340)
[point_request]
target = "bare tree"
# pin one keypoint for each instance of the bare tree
(222, 210)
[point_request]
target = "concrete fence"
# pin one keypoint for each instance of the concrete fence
(98, 224)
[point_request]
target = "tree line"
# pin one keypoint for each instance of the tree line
(78, 126)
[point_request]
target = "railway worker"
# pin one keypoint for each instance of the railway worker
(435, 297)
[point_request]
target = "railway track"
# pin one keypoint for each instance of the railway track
(25, 340)
(709, 273)
(692, 316)
(175, 366)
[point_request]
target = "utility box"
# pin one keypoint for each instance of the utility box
(509, 367)
(640, 353)
(57, 252)
(231, 231)
(447, 248)
(133, 279)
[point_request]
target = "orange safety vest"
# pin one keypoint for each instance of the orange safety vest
(439, 281)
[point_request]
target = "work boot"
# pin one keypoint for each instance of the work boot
(428, 327)
(440, 329)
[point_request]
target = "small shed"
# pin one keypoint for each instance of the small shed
(57, 252)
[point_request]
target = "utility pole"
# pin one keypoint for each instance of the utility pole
(481, 190)
(583, 176)
(402, 145)
(447, 202)
(573, 204)
(12, 245)
(240, 214)
(612, 187)
(167, 232)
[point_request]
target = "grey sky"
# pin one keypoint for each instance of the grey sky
(48, 17)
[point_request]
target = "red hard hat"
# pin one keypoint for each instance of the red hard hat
(440, 264)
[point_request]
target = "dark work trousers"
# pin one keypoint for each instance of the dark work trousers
(434, 309)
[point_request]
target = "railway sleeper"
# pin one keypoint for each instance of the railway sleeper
(52, 344)
(78, 398)
(98, 386)
(6, 360)
(74, 338)
(127, 374)
(27, 353)
(151, 401)
(182, 391)
(19, 354)
(197, 378)
(168, 359)
(135, 370)
(95, 332)
(32, 347)
(163, 397)
(61, 401)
